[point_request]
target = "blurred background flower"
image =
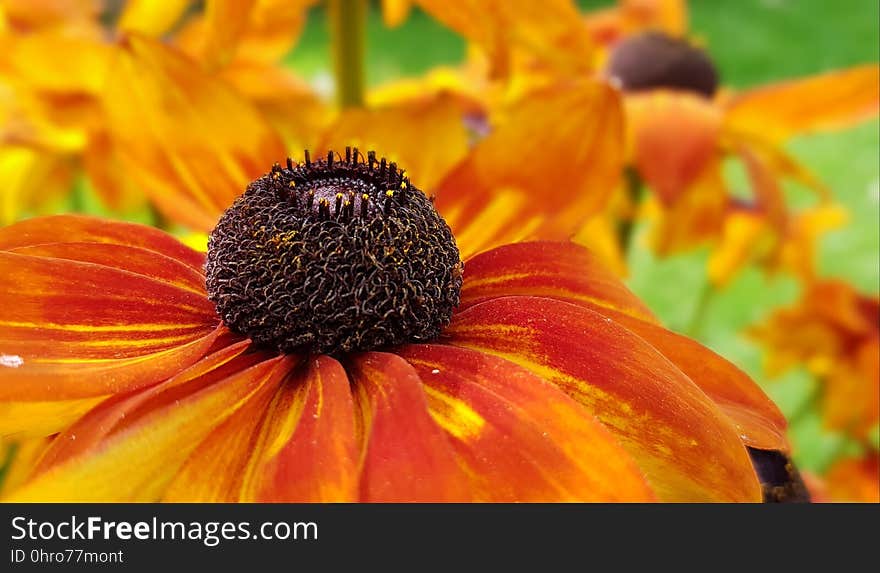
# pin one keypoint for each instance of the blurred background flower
(737, 221)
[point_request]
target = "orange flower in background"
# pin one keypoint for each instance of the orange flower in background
(681, 129)
(834, 331)
(681, 126)
(193, 145)
(53, 122)
(854, 480)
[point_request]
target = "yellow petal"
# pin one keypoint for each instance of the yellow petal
(826, 102)
(190, 141)
(426, 138)
(553, 161)
(150, 17)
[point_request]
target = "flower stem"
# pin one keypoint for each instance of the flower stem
(348, 33)
(698, 318)
(635, 189)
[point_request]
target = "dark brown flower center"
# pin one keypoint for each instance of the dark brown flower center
(335, 255)
(654, 60)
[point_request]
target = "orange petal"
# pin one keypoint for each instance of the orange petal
(673, 136)
(82, 229)
(696, 216)
(146, 263)
(759, 422)
(88, 431)
(255, 31)
(31, 180)
(407, 458)
(151, 18)
(855, 480)
(225, 23)
(851, 399)
(190, 141)
(688, 449)
(399, 133)
(553, 162)
(69, 15)
(289, 104)
(107, 175)
(395, 12)
(554, 270)
(568, 272)
(92, 311)
(28, 419)
(143, 452)
(826, 102)
(294, 444)
(550, 31)
(670, 16)
(17, 461)
(34, 59)
(96, 316)
(319, 460)
(520, 437)
(746, 236)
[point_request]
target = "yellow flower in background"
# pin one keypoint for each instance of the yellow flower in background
(834, 332)
(682, 126)
(59, 59)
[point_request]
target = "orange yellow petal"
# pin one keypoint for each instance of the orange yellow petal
(189, 140)
(553, 161)
(687, 447)
(520, 437)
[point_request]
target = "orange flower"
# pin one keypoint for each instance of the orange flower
(854, 480)
(680, 130)
(680, 127)
(179, 143)
(835, 332)
(551, 382)
(57, 62)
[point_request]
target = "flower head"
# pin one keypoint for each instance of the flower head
(334, 256)
(550, 382)
(834, 331)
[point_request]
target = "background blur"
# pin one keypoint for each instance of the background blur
(753, 42)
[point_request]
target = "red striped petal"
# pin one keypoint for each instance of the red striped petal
(82, 229)
(143, 262)
(686, 446)
(758, 420)
(571, 273)
(520, 437)
(293, 443)
(555, 270)
(96, 307)
(88, 431)
(145, 450)
(408, 458)
(319, 462)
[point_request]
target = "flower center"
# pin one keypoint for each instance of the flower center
(654, 60)
(331, 256)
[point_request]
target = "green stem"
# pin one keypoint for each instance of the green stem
(626, 228)
(698, 318)
(348, 21)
